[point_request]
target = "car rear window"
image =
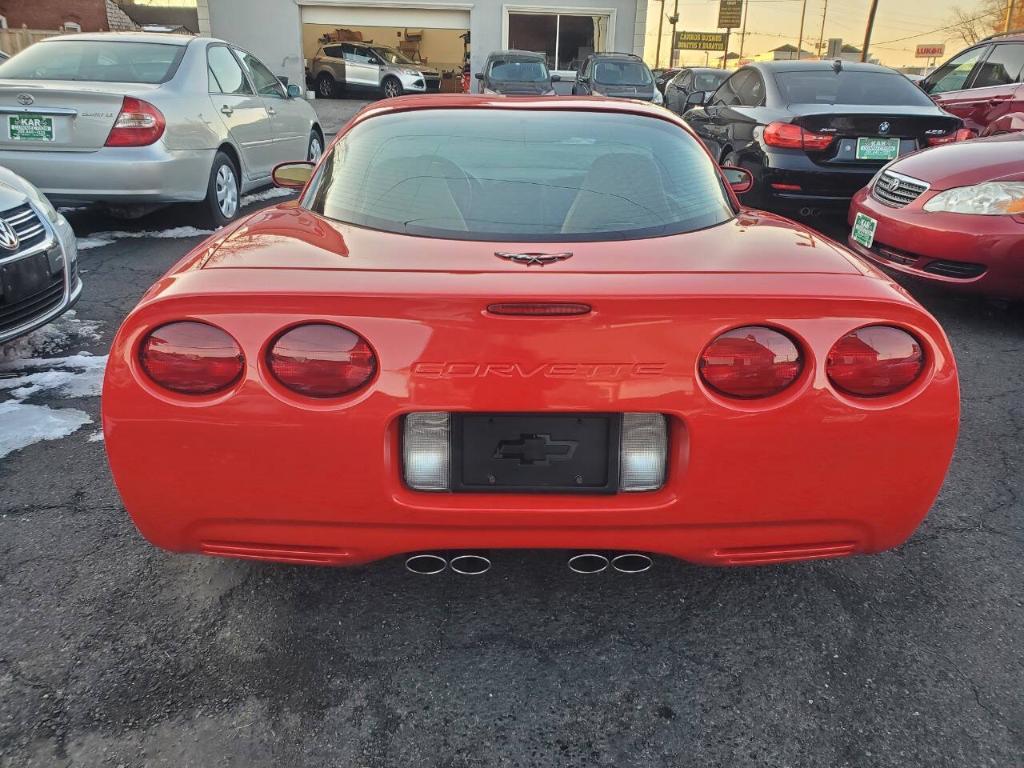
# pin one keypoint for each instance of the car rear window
(709, 81)
(520, 175)
(105, 61)
(849, 87)
(622, 73)
(518, 71)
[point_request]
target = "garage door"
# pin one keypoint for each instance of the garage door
(428, 18)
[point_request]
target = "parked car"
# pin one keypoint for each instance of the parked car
(697, 79)
(516, 73)
(662, 76)
(4, 56)
(553, 328)
(813, 133)
(370, 68)
(983, 85)
(138, 120)
(952, 216)
(39, 278)
(619, 75)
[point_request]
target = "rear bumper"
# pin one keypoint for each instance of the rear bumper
(988, 249)
(151, 174)
(800, 477)
(817, 186)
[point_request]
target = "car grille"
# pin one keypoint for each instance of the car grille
(25, 308)
(958, 269)
(26, 223)
(896, 190)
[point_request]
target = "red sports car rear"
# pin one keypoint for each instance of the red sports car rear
(501, 324)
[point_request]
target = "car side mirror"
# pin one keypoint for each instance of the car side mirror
(294, 91)
(293, 175)
(585, 80)
(556, 78)
(739, 179)
(479, 75)
(697, 99)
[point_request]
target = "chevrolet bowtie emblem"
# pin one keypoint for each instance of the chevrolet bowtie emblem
(529, 259)
(535, 450)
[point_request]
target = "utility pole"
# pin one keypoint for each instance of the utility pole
(1009, 15)
(743, 34)
(870, 28)
(661, 25)
(800, 43)
(821, 37)
(674, 18)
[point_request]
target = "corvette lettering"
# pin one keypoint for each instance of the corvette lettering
(585, 371)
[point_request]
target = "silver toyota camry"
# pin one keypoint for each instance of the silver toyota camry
(135, 120)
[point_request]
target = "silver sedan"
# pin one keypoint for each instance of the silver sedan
(138, 120)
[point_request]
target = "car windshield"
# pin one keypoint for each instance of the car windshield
(708, 81)
(520, 175)
(850, 87)
(391, 56)
(519, 71)
(104, 61)
(622, 73)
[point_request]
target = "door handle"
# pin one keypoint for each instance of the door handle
(998, 99)
(226, 110)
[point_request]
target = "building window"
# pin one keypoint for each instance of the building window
(565, 39)
(72, 26)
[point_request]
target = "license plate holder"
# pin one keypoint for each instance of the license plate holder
(863, 231)
(535, 453)
(22, 278)
(29, 127)
(876, 148)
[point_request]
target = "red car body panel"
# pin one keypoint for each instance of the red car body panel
(909, 239)
(257, 471)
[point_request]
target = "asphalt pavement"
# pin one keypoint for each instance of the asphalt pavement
(113, 653)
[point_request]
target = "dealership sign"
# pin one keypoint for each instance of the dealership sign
(730, 13)
(700, 41)
(931, 51)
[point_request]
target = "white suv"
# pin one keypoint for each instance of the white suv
(362, 66)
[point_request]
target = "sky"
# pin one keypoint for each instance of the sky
(771, 23)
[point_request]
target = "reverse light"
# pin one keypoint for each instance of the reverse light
(139, 124)
(643, 448)
(751, 362)
(994, 198)
(321, 360)
(963, 134)
(874, 361)
(426, 451)
(191, 358)
(790, 136)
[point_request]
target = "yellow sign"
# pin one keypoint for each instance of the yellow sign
(700, 41)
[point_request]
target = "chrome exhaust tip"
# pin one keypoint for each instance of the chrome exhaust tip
(425, 565)
(632, 562)
(588, 562)
(470, 565)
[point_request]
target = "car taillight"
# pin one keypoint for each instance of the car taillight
(751, 362)
(321, 360)
(874, 361)
(792, 136)
(191, 358)
(139, 124)
(961, 135)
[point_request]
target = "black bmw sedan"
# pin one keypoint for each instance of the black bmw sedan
(813, 133)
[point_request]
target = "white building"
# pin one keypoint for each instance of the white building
(285, 32)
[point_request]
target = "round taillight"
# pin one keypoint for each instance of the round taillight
(321, 360)
(874, 361)
(191, 358)
(750, 362)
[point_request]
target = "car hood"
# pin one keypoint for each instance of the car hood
(967, 162)
(287, 237)
(14, 190)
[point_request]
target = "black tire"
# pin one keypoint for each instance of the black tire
(315, 138)
(392, 87)
(216, 210)
(326, 87)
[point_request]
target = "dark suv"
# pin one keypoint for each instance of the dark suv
(983, 85)
(516, 73)
(620, 75)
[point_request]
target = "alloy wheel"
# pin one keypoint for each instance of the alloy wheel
(391, 89)
(227, 191)
(315, 149)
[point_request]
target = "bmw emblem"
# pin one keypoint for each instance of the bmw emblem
(25, 99)
(884, 127)
(8, 237)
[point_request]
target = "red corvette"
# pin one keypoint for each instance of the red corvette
(537, 323)
(952, 215)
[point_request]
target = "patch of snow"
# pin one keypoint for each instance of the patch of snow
(72, 209)
(79, 375)
(268, 194)
(55, 337)
(85, 243)
(25, 424)
(96, 437)
(99, 239)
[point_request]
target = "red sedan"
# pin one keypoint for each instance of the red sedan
(538, 323)
(952, 215)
